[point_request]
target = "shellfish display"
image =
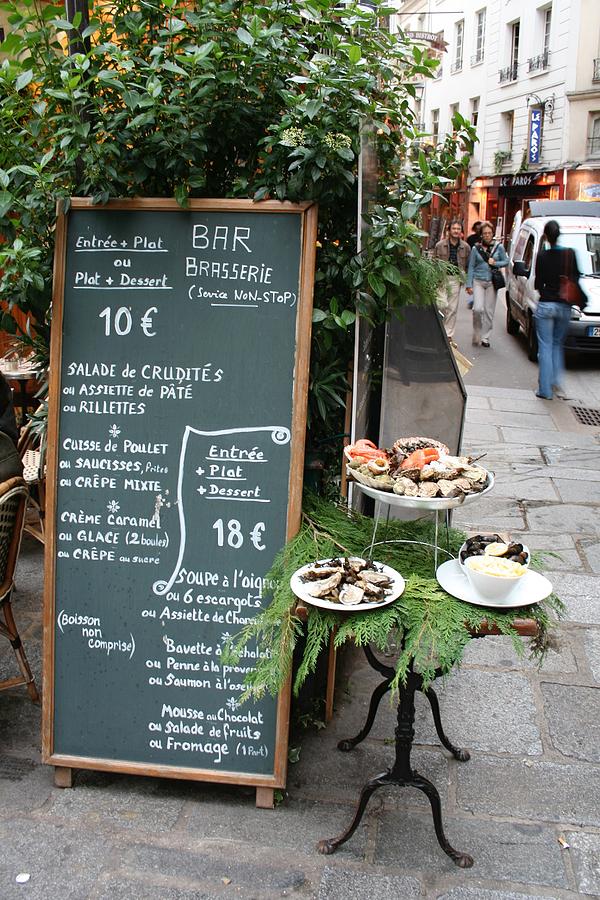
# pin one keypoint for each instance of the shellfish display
(346, 580)
(492, 545)
(415, 467)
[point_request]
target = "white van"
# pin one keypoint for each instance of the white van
(580, 229)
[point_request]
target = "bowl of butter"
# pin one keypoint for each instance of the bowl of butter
(492, 577)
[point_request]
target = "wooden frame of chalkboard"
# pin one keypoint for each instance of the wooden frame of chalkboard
(306, 213)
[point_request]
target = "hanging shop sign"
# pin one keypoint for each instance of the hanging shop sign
(535, 135)
(436, 41)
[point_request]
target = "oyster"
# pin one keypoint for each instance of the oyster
(464, 484)
(476, 475)
(412, 474)
(428, 489)
(377, 578)
(350, 581)
(372, 591)
(322, 588)
(457, 462)
(400, 485)
(351, 594)
(437, 469)
(318, 573)
(449, 488)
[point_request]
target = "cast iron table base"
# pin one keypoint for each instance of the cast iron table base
(401, 773)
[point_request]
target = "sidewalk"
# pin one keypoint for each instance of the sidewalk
(534, 737)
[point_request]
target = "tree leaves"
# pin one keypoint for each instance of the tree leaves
(23, 80)
(6, 200)
(245, 37)
(226, 100)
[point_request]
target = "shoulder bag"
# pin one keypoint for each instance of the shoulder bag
(498, 281)
(568, 287)
(497, 276)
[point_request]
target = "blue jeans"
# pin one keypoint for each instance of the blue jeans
(551, 325)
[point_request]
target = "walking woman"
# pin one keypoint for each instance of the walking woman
(484, 280)
(557, 281)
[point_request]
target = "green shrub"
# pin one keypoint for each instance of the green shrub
(224, 99)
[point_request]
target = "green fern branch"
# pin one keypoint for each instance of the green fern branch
(431, 627)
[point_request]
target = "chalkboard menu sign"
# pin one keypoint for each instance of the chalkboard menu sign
(179, 371)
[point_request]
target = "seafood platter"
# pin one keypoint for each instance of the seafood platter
(418, 472)
(347, 583)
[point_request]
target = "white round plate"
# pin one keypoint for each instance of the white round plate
(396, 590)
(429, 503)
(532, 587)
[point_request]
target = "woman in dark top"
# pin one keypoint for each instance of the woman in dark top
(553, 313)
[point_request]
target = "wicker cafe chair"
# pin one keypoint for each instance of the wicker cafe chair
(13, 502)
(34, 473)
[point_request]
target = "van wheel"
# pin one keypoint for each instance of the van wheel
(512, 326)
(532, 344)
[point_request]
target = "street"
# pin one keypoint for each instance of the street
(525, 805)
(505, 363)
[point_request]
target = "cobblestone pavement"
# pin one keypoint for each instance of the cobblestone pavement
(533, 780)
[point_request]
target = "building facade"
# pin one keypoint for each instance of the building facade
(527, 75)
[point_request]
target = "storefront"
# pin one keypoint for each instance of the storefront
(452, 204)
(501, 197)
(583, 183)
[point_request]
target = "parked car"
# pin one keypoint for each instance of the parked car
(580, 229)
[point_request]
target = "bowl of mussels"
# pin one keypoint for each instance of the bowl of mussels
(493, 545)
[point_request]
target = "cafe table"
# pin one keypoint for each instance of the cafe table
(429, 627)
(401, 772)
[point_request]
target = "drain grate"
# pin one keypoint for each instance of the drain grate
(587, 416)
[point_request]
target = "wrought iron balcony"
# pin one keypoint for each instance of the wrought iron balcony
(510, 73)
(596, 75)
(593, 146)
(477, 58)
(456, 66)
(539, 63)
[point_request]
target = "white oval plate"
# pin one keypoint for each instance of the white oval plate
(532, 588)
(299, 589)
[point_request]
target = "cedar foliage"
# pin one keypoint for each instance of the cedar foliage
(430, 627)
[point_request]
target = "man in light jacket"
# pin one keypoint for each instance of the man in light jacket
(456, 252)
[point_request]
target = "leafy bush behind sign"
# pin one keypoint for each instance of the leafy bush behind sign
(224, 99)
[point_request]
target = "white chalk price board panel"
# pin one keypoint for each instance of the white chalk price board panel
(178, 390)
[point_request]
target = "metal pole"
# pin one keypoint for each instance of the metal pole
(77, 44)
